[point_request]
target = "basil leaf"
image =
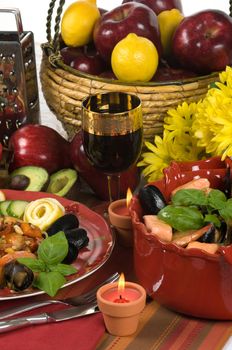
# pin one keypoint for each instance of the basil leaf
(53, 249)
(182, 218)
(226, 212)
(189, 197)
(217, 199)
(50, 282)
(36, 265)
(64, 269)
(211, 218)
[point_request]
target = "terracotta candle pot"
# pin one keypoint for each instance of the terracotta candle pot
(121, 310)
(119, 217)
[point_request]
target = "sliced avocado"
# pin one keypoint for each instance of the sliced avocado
(62, 181)
(37, 176)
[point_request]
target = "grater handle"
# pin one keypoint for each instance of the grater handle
(18, 19)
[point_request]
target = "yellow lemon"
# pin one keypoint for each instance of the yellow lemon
(134, 58)
(168, 21)
(78, 22)
(92, 2)
(43, 212)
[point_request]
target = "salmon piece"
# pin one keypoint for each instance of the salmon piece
(158, 227)
(15, 255)
(198, 184)
(207, 247)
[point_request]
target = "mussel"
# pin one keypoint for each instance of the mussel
(77, 239)
(72, 253)
(208, 236)
(17, 276)
(151, 200)
(78, 236)
(66, 222)
(213, 235)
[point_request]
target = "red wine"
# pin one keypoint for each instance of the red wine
(113, 154)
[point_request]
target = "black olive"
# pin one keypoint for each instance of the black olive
(151, 200)
(64, 223)
(19, 182)
(17, 276)
(72, 253)
(77, 236)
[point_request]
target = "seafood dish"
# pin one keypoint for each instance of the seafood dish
(40, 239)
(182, 231)
(196, 216)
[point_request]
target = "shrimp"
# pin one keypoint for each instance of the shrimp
(15, 255)
(184, 238)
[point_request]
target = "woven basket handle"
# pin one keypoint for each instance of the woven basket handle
(54, 42)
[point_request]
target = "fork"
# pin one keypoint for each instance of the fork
(85, 298)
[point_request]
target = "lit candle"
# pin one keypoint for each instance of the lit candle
(121, 294)
(121, 304)
(119, 217)
(120, 207)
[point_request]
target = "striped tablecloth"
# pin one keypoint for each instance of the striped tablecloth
(162, 329)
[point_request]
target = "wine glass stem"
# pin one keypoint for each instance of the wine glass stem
(118, 186)
(109, 188)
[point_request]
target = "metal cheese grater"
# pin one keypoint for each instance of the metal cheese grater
(19, 102)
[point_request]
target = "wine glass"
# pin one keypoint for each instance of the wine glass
(112, 127)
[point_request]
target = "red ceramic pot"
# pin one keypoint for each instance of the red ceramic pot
(189, 281)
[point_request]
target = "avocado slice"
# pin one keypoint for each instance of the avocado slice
(62, 181)
(37, 178)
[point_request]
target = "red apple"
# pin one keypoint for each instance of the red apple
(172, 74)
(102, 11)
(94, 178)
(39, 145)
(160, 5)
(68, 54)
(89, 62)
(203, 41)
(116, 24)
(108, 74)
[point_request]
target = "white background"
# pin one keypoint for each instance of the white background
(34, 12)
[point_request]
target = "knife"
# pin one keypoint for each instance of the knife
(48, 317)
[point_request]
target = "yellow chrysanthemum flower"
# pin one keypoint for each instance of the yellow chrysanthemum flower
(212, 125)
(179, 120)
(192, 131)
(157, 159)
(226, 76)
(177, 143)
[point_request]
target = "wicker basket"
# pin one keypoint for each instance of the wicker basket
(64, 87)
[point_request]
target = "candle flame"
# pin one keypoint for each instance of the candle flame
(128, 197)
(121, 284)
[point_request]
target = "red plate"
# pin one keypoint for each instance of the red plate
(91, 258)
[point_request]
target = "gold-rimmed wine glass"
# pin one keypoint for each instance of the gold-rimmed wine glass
(112, 127)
